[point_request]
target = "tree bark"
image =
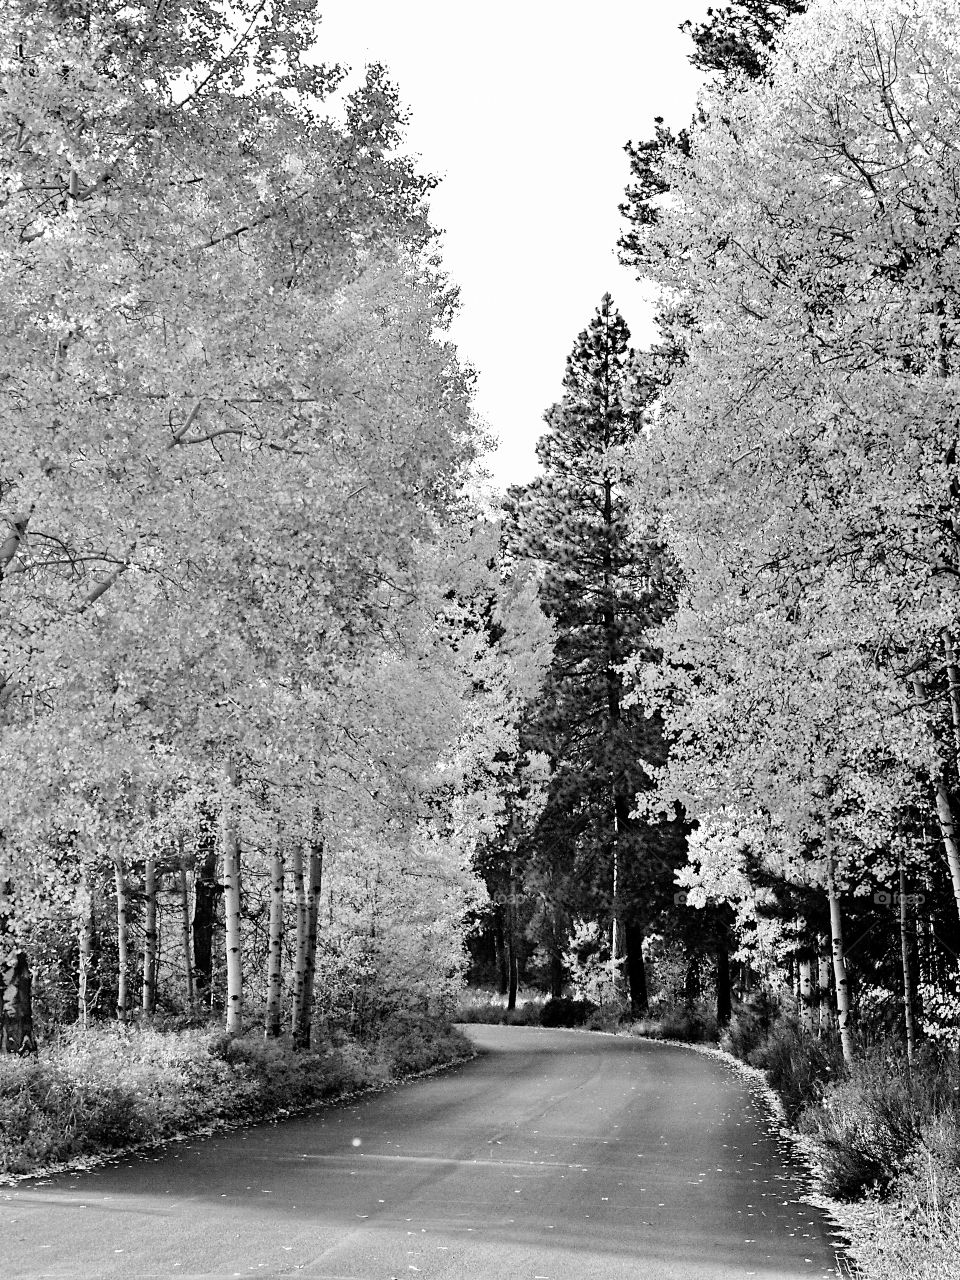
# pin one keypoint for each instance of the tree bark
(556, 967)
(185, 939)
(839, 968)
(724, 997)
(823, 984)
(510, 946)
(948, 831)
(300, 946)
(206, 891)
(636, 971)
(275, 948)
(85, 936)
(123, 938)
(953, 686)
(906, 956)
(806, 994)
(503, 978)
(148, 1002)
(312, 890)
(231, 903)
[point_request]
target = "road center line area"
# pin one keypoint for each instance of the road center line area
(555, 1155)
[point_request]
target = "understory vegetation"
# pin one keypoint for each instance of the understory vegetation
(116, 1086)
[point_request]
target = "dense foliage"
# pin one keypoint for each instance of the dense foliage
(236, 507)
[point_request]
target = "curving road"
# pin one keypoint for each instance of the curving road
(556, 1155)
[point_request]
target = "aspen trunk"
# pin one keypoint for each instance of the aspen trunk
(185, 937)
(300, 947)
(275, 949)
(839, 968)
(313, 889)
(231, 904)
(85, 949)
(823, 984)
(123, 938)
(948, 831)
(510, 945)
(806, 994)
(909, 1013)
(148, 1001)
(953, 685)
(617, 941)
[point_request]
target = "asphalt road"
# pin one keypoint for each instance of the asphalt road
(556, 1155)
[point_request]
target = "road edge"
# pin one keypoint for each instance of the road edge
(98, 1160)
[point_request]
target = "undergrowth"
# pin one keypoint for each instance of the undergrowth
(885, 1135)
(118, 1086)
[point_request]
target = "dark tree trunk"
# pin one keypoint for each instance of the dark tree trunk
(636, 970)
(691, 980)
(556, 973)
(503, 977)
(510, 947)
(206, 893)
(724, 1000)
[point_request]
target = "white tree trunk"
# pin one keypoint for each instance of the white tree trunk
(840, 968)
(85, 952)
(948, 833)
(827, 1020)
(186, 936)
(314, 880)
(275, 948)
(231, 904)
(123, 947)
(300, 945)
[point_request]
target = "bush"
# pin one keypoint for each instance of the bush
(874, 1127)
(561, 1011)
(800, 1067)
(750, 1025)
(115, 1087)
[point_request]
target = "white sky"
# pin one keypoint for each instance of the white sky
(522, 107)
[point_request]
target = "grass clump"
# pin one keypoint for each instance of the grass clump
(114, 1087)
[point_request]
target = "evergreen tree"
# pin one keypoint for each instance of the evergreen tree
(739, 39)
(605, 586)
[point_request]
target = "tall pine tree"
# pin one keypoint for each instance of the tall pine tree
(605, 587)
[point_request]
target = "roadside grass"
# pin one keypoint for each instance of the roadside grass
(884, 1138)
(484, 1005)
(119, 1086)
